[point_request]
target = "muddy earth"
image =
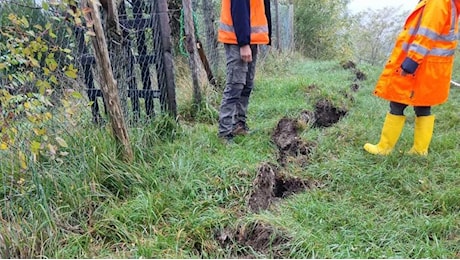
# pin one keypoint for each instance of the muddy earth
(326, 114)
(257, 237)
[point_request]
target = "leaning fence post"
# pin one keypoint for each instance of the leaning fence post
(109, 84)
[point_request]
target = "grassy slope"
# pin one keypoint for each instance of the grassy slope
(186, 186)
(377, 207)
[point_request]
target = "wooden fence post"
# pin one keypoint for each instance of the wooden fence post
(277, 26)
(163, 47)
(190, 42)
(211, 36)
(109, 84)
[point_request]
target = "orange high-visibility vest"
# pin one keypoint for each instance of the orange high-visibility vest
(429, 38)
(258, 23)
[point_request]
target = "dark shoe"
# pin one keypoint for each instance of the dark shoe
(227, 139)
(240, 129)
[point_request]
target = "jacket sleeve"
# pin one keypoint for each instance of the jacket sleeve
(240, 10)
(434, 17)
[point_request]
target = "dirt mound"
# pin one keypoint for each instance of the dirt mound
(360, 75)
(258, 237)
(354, 87)
(348, 65)
(269, 186)
(263, 188)
(326, 114)
(290, 146)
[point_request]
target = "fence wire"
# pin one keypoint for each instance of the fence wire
(136, 51)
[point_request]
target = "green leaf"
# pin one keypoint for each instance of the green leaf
(35, 147)
(51, 34)
(77, 94)
(53, 79)
(61, 142)
(22, 160)
(71, 72)
(45, 6)
(25, 22)
(51, 62)
(34, 62)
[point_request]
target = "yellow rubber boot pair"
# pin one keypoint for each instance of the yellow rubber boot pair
(392, 128)
(423, 132)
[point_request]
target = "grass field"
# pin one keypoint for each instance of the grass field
(186, 195)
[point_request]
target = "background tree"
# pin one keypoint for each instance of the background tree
(321, 28)
(374, 33)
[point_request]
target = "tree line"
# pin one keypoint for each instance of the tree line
(327, 29)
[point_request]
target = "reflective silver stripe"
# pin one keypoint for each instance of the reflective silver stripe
(405, 46)
(226, 27)
(254, 29)
(419, 49)
(442, 52)
(452, 36)
(259, 29)
(434, 52)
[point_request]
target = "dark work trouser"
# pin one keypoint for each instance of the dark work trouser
(238, 88)
(398, 109)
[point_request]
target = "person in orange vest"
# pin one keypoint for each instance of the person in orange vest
(418, 73)
(244, 25)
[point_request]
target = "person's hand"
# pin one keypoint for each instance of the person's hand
(246, 53)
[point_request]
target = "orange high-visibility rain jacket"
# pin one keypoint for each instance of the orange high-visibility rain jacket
(425, 50)
(243, 22)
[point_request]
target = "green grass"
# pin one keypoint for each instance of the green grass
(185, 187)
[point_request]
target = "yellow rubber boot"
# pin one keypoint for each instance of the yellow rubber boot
(392, 128)
(423, 132)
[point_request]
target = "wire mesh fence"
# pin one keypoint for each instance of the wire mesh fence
(138, 48)
(47, 59)
(51, 75)
(38, 76)
(51, 82)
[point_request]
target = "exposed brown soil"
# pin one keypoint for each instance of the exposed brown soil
(258, 237)
(326, 114)
(270, 185)
(354, 87)
(290, 146)
(360, 75)
(348, 65)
